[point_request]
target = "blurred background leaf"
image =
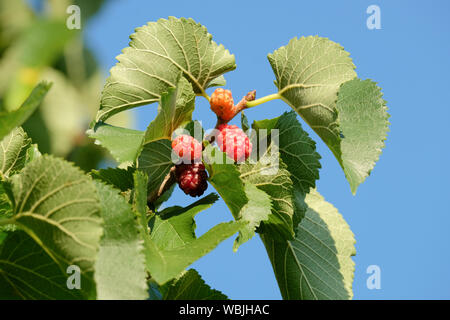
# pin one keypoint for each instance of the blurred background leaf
(35, 45)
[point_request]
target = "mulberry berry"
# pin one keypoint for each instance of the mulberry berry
(222, 104)
(234, 142)
(192, 178)
(187, 148)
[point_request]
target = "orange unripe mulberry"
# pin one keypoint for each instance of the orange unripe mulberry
(222, 104)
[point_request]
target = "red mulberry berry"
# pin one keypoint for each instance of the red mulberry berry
(234, 142)
(187, 148)
(192, 178)
(222, 104)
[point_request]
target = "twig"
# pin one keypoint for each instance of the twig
(243, 103)
(168, 181)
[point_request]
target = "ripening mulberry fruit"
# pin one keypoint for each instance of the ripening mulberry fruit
(232, 140)
(187, 148)
(222, 104)
(192, 178)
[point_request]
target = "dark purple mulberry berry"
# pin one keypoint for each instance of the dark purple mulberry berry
(192, 178)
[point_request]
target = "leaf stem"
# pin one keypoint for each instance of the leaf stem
(262, 100)
(204, 94)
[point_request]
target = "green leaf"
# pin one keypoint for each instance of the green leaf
(57, 205)
(36, 127)
(175, 110)
(309, 72)
(10, 120)
(120, 266)
(123, 143)
(270, 175)
(121, 179)
(174, 226)
(256, 210)
(317, 264)
(141, 201)
(158, 53)
(14, 148)
(153, 291)
(140, 181)
(194, 129)
(225, 177)
(164, 197)
(32, 153)
(297, 149)
(244, 122)
(217, 82)
(27, 272)
(141, 211)
(191, 286)
(3, 236)
(173, 245)
(363, 119)
(6, 206)
(156, 160)
(167, 264)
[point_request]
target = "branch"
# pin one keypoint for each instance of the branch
(243, 103)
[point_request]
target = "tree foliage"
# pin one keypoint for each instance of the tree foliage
(111, 222)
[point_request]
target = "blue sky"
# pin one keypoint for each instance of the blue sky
(400, 215)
